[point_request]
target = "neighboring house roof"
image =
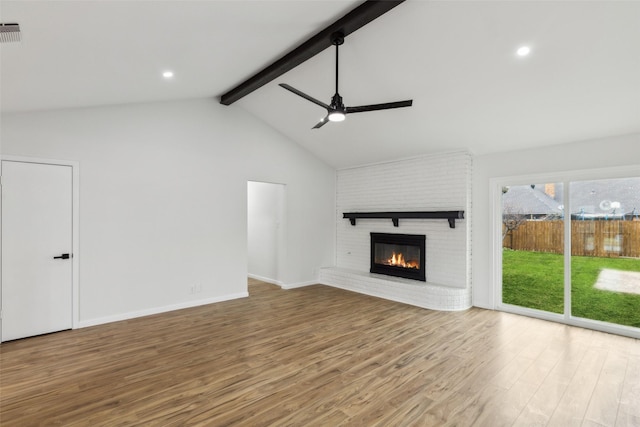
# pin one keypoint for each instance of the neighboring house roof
(523, 199)
(606, 197)
(603, 198)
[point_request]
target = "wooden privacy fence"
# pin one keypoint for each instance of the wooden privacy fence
(588, 238)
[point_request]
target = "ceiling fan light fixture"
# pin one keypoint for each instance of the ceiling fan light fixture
(336, 116)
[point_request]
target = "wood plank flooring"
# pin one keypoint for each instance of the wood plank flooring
(319, 356)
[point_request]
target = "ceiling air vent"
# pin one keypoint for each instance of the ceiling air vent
(9, 33)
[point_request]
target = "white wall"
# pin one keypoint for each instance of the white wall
(593, 154)
(163, 199)
(265, 222)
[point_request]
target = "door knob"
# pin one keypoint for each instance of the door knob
(63, 256)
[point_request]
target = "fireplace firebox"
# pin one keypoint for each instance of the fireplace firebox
(400, 255)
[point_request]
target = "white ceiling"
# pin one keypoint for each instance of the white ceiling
(455, 59)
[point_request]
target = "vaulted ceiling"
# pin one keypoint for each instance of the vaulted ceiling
(455, 59)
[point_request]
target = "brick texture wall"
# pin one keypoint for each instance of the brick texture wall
(432, 183)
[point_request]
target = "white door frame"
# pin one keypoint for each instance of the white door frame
(75, 227)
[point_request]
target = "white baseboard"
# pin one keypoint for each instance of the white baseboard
(157, 310)
(299, 284)
(265, 279)
(283, 285)
(484, 306)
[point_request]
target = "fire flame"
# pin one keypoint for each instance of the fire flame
(399, 261)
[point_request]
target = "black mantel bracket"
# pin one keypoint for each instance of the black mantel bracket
(450, 216)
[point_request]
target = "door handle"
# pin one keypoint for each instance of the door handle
(63, 256)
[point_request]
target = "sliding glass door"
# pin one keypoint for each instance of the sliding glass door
(605, 250)
(533, 247)
(570, 250)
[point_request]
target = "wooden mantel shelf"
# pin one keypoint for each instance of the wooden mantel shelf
(451, 216)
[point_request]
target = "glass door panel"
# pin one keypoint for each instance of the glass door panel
(605, 250)
(533, 246)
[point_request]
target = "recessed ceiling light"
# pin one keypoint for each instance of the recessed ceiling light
(523, 51)
(167, 74)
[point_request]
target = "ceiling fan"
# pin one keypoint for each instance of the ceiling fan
(336, 111)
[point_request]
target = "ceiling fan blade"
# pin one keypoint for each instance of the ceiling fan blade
(374, 107)
(321, 123)
(304, 95)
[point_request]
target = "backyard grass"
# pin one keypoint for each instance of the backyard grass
(535, 280)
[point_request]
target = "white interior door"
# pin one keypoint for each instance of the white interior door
(37, 215)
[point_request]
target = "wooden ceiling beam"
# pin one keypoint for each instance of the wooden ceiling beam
(352, 21)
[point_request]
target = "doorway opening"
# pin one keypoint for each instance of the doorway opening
(266, 231)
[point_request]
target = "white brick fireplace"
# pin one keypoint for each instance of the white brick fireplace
(433, 183)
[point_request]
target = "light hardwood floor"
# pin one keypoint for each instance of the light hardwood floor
(319, 356)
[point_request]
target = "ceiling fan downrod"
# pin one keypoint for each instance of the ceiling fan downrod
(337, 112)
(337, 39)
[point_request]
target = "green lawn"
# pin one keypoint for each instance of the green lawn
(535, 280)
